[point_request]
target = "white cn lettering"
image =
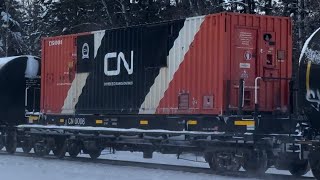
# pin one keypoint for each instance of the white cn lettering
(118, 57)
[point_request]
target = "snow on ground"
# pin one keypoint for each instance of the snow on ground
(17, 168)
(157, 158)
(186, 160)
(28, 168)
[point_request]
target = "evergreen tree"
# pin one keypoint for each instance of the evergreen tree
(34, 25)
(41, 18)
(73, 16)
(11, 32)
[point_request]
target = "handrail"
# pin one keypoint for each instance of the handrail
(26, 97)
(256, 89)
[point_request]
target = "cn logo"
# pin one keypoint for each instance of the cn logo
(117, 57)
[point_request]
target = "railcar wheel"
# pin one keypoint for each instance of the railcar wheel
(299, 168)
(26, 149)
(256, 162)
(60, 148)
(227, 162)
(94, 154)
(11, 142)
(26, 146)
(40, 149)
(223, 161)
(210, 158)
(315, 166)
(235, 164)
(1, 142)
(74, 149)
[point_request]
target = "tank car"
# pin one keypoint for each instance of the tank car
(14, 72)
(309, 77)
(309, 95)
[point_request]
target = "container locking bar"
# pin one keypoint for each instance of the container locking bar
(241, 96)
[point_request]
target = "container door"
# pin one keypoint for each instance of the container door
(270, 88)
(243, 64)
(58, 72)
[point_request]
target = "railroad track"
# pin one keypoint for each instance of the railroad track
(147, 165)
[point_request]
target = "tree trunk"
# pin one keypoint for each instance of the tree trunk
(124, 12)
(192, 8)
(107, 11)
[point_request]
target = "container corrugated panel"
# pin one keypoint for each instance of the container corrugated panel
(198, 76)
(188, 66)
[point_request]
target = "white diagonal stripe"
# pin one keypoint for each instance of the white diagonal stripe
(175, 58)
(80, 80)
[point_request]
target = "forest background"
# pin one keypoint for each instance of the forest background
(24, 22)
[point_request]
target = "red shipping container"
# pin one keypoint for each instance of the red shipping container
(190, 66)
(57, 71)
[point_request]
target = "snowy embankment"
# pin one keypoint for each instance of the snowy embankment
(17, 168)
